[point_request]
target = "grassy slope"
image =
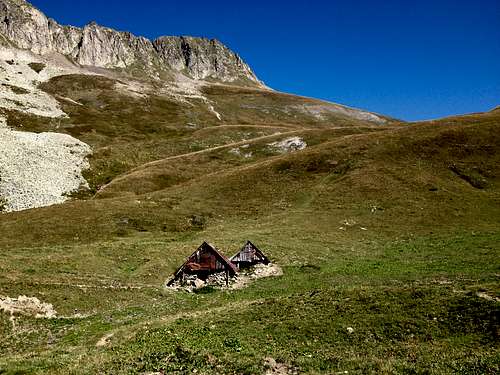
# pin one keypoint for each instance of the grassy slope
(421, 239)
(127, 129)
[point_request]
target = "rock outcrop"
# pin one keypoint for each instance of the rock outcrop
(26, 27)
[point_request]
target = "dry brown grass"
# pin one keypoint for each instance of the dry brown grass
(402, 168)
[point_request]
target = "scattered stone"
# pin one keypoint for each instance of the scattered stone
(22, 93)
(289, 145)
(198, 283)
(39, 170)
(276, 368)
(376, 208)
(237, 151)
(29, 306)
(487, 297)
(192, 283)
(103, 341)
(349, 223)
(258, 271)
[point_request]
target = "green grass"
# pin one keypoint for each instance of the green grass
(372, 228)
(394, 330)
(405, 314)
(127, 131)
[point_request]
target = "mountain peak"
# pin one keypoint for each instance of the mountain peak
(94, 45)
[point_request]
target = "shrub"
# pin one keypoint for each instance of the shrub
(37, 67)
(3, 204)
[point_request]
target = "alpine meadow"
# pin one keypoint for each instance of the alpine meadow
(120, 155)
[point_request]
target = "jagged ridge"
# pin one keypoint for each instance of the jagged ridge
(94, 45)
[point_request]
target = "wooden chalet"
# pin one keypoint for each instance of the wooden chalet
(248, 256)
(205, 261)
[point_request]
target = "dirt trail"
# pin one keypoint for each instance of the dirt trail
(234, 144)
(271, 160)
(207, 150)
(128, 332)
(232, 126)
(189, 154)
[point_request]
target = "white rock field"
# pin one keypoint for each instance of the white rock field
(16, 74)
(289, 145)
(23, 305)
(39, 170)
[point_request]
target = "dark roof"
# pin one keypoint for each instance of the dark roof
(211, 248)
(258, 252)
(221, 256)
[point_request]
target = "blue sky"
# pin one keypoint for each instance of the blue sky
(409, 59)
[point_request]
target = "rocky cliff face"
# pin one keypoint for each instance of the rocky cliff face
(27, 28)
(202, 57)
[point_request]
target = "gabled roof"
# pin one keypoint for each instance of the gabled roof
(221, 257)
(205, 246)
(259, 254)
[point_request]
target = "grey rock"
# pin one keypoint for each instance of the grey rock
(198, 283)
(200, 58)
(104, 47)
(64, 39)
(25, 26)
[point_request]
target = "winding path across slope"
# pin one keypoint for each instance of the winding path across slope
(295, 130)
(204, 151)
